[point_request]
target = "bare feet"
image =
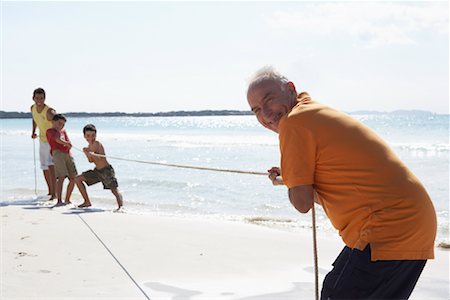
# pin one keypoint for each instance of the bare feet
(84, 205)
(119, 209)
(59, 203)
(67, 202)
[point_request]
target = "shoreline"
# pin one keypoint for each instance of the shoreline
(52, 253)
(284, 223)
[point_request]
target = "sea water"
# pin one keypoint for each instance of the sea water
(229, 142)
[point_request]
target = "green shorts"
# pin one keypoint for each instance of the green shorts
(105, 175)
(64, 165)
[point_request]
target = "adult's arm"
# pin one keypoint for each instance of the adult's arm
(302, 197)
(33, 130)
(33, 125)
(274, 176)
(50, 113)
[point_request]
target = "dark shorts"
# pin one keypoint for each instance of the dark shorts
(355, 276)
(104, 175)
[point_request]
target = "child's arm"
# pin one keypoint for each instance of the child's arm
(96, 149)
(100, 149)
(66, 140)
(88, 154)
(62, 142)
(55, 136)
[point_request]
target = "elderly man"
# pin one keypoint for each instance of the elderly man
(382, 211)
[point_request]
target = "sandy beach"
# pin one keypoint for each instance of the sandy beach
(96, 254)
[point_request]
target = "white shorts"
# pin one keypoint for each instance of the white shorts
(44, 155)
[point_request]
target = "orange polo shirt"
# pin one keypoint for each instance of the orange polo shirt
(369, 195)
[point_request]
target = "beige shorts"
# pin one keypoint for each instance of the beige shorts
(64, 165)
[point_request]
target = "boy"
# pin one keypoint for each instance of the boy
(103, 171)
(60, 148)
(42, 116)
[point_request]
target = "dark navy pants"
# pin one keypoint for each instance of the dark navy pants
(355, 276)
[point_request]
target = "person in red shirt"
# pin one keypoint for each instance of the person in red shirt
(64, 165)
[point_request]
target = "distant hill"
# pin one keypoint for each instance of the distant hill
(395, 112)
(182, 113)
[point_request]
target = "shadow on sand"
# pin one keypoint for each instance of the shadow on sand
(299, 290)
(33, 201)
(178, 293)
(42, 202)
(77, 210)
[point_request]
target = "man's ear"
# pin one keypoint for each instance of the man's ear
(291, 87)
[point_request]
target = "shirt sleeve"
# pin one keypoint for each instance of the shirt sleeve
(298, 155)
(66, 137)
(50, 134)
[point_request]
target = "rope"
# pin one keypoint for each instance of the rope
(316, 266)
(115, 258)
(177, 166)
(34, 161)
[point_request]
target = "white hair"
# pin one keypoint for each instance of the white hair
(267, 73)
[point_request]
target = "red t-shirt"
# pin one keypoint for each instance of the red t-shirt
(52, 135)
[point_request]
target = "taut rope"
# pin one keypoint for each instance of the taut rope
(316, 263)
(177, 166)
(313, 211)
(113, 256)
(34, 161)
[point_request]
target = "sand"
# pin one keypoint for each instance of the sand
(96, 254)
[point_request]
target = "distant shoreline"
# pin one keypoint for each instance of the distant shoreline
(182, 113)
(198, 113)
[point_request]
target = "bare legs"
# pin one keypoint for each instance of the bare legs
(79, 181)
(50, 178)
(59, 188)
(70, 187)
(119, 198)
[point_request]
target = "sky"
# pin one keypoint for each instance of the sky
(168, 56)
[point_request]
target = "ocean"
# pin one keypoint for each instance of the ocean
(229, 142)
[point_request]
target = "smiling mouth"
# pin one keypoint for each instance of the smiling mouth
(276, 118)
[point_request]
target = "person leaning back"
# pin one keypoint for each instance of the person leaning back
(60, 146)
(103, 171)
(382, 211)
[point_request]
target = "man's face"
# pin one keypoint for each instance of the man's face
(270, 102)
(58, 125)
(90, 136)
(39, 99)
